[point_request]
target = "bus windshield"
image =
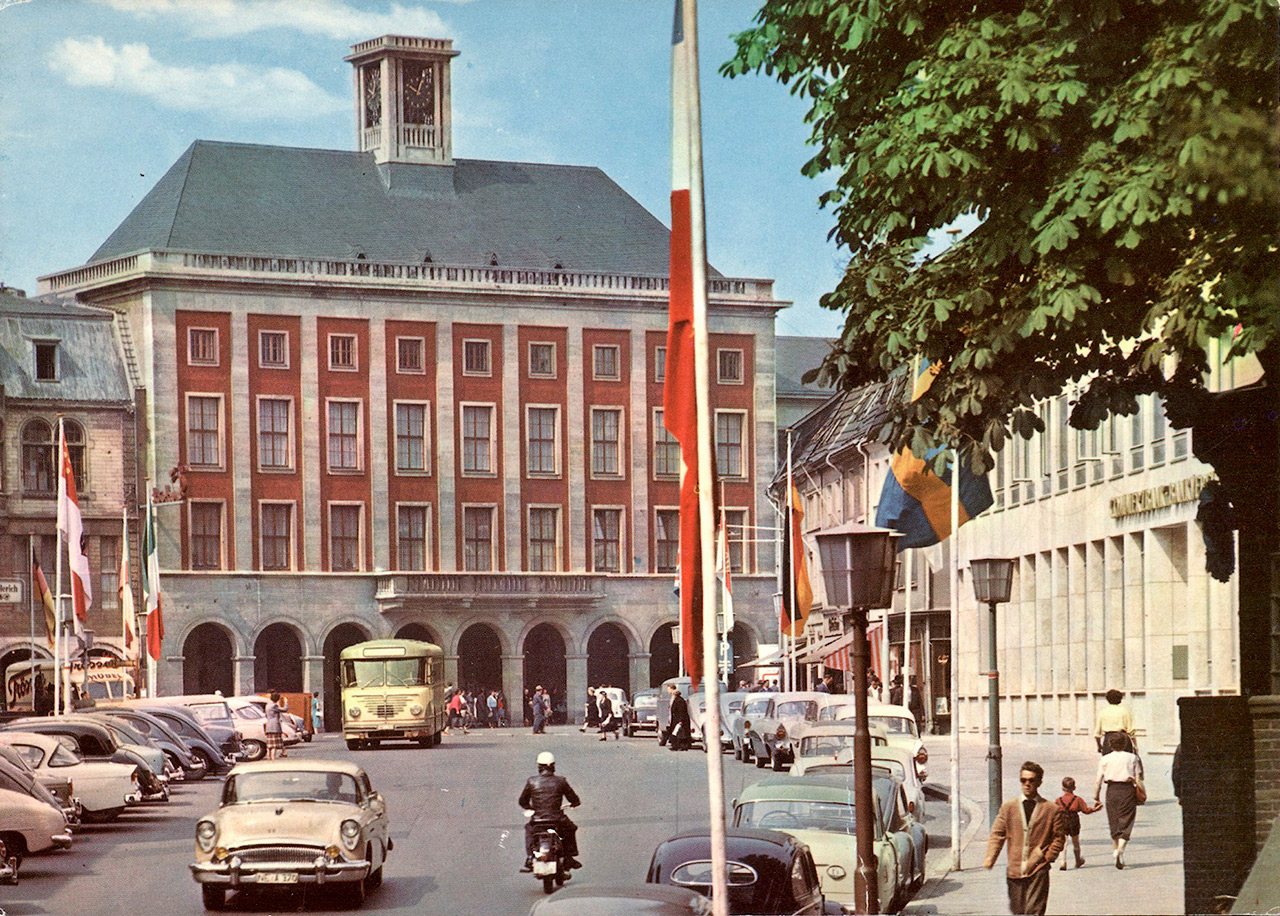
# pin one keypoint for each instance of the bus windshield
(384, 672)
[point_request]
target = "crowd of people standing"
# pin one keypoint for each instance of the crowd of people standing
(480, 708)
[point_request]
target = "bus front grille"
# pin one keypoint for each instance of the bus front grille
(386, 707)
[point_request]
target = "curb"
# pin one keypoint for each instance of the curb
(922, 902)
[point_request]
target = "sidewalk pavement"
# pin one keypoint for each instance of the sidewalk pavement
(1151, 881)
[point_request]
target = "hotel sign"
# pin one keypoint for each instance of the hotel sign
(1171, 494)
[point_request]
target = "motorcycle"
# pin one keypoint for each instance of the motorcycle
(548, 854)
(8, 866)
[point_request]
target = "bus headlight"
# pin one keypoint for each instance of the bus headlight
(353, 712)
(415, 709)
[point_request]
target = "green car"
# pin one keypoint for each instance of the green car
(820, 812)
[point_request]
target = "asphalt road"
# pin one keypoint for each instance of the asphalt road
(457, 829)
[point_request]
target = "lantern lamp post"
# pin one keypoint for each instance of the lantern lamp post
(992, 584)
(858, 571)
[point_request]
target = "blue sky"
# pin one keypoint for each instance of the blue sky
(99, 97)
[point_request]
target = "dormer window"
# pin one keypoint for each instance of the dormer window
(46, 360)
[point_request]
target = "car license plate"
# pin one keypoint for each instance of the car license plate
(278, 877)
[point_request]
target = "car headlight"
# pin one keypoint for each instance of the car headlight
(350, 834)
(415, 709)
(353, 712)
(922, 756)
(781, 732)
(71, 787)
(206, 833)
(836, 872)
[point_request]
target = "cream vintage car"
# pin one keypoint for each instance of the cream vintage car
(281, 822)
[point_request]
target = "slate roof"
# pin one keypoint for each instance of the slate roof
(89, 363)
(794, 356)
(235, 198)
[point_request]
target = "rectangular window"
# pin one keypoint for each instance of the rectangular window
(729, 433)
(544, 537)
(274, 416)
(1046, 466)
(1158, 430)
(543, 425)
(666, 537)
(999, 481)
(276, 522)
(659, 364)
(475, 357)
(477, 439)
(108, 594)
(411, 538)
(477, 538)
(344, 435)
(1180, 448)
(342, 352)
(666, 450)
(273, 350)
(1137, 440)
(46, 360)
(204, 434)
(411, 438)
(344, 538)
(1114, 452)
(206, 535)
(735, 521)
(1063, 444)
(729, 367)
(606, 425)
(1019, 472)
(409, 355)
(604, 362)
(606, 535)
(542, 360)
(202, 346)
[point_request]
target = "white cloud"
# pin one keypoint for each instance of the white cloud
(231, 89)
(326, 18)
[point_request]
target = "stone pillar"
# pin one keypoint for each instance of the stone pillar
(170, 676)
(513, 686)
(451, 669)
(313, 681)
(242, 673)
(575, 687)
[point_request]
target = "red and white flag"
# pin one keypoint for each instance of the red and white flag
(128, 613)
(688, 297)
(151, 585)
(71, 527)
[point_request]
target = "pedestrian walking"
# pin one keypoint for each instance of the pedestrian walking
(609, 717)
(449, 693)
(915, 702)
(1070, 807)
(492, 705)
(457, 716)
(678, 727)
(1118, 769)
(590, 711)
(528, 708)
(1031, 826)
(1115, 719)
(539, 703)
(502, 709)
(273, 729)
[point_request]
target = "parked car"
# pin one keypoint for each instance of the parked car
(130, 739)
(769, 872)
(216, 746)
(18, 777)
(770, 734)
(281, 822)
(299, 711)
(730, 702)
(824, 743)
(59, 786)
(899, 726)
(251, 722)
(820, 812)
(103, 788)
(300, 726)
(643, 714)
(29, 826)
(94, 741)
(754, 706)
(174, 747)
(618, 701)
(623, 900)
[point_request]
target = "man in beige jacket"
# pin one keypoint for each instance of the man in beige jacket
(1032, 827)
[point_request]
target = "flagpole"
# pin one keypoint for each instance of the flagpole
(955, 667)
(58, 673)
(151, 621)
(788, 663)
(31, 556)
(906, 634)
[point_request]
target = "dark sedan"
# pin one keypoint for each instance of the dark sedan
(642, 715)
(623, 900)
(769, 872)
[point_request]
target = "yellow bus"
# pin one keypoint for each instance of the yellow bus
(392, 689)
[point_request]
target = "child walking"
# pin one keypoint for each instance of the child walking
(1072, 806)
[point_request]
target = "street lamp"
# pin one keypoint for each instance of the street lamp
(992, 583)
(857, 569)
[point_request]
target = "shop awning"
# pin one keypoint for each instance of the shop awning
(815, 654)
(773, 658)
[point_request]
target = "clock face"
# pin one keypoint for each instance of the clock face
(419, 93)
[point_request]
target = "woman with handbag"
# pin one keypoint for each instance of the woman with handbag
(1118, 768)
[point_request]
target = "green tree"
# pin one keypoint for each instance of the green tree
(1120, 159)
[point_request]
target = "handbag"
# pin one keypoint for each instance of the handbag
(1140, 791)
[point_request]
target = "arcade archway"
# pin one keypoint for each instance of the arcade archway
(206, 661)
(544, 663)
(480, 659)
(341, 636)
(664, 655)
(277, 662)
(607, 662)
(417, 631)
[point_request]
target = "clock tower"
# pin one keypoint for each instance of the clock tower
(402, 98)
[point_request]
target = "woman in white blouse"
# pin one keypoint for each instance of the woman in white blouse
(1119, 769)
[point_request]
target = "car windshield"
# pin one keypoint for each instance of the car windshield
(836, 712)
(798, 814)
(293, 785)
(646, 700)
(825, 745)
(249, 711)
(217, 713)
(797, 709)
(393, 672)
(755, 707)
(893, 766)
(894, 725)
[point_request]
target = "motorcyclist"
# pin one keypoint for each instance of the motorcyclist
(545, 795)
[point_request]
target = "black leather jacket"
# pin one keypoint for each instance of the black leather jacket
(545, 794)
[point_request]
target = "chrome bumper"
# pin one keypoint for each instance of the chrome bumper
(61, 840)
(233, 873)
(133, 798)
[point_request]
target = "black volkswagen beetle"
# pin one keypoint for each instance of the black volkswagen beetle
(769, 872)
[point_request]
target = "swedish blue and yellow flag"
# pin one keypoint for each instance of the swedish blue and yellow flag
(916, 502)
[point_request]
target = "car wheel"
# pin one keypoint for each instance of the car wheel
(776, 763)
(426, 742)
(254, 749)
(356, 892)
(762, 762)
(213, 896)
(737, 751)
(374, 742)
(375, 878)
(203, 756)
(354, 744)
(306, 736)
